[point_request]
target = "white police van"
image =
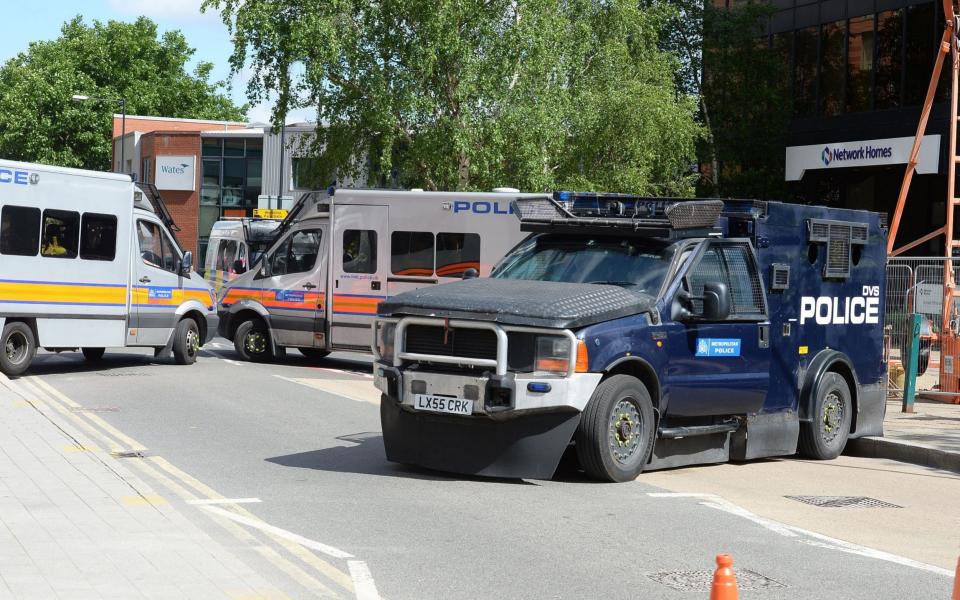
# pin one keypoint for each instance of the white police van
(88, 260)
(343, 251)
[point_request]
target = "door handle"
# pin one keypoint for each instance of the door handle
(309, 286)
(764, 341)
(374, 285)
(144, 279)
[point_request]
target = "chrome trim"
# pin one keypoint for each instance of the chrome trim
(500, 364)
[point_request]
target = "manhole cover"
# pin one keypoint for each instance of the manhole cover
(701, 581)
(129, 454)
(95, 409)
(843, 501)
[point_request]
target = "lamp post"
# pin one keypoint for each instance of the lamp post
(123, 120)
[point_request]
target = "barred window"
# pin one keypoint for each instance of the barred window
(730, 264)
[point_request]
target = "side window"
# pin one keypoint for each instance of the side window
(297, 254)
(19, 230)
(61, 229)
(746, 293)
(226, 254)
(457, 252)
(156, 249)
(359, 251)
(411, 253)
(98, 237)
(709, 269)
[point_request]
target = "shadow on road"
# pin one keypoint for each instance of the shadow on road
(367, 457)
(74, 362)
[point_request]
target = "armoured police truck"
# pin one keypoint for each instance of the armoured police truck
(341, 252)
(645, 334)
(88, 260)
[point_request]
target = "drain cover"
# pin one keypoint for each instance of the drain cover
(95, 409)
(701, 581)
(843, 501)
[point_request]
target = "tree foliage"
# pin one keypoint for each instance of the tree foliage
(473, 94)
(38, 120)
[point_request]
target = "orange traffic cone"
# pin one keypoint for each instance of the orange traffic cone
(956, 583)
(724, 581)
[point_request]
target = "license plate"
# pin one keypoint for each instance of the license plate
(444, 404)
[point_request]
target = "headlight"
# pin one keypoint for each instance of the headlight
(553, 355)
(383, 340)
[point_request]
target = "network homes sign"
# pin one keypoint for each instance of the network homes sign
(176, 173)
(867, 153)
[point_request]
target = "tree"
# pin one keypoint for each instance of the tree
(40, 123)
(472, 94)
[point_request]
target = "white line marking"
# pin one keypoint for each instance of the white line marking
(205, 501)
(222, 357)
(345, 372)
(363, 584)
(819, 540)
(283, 533)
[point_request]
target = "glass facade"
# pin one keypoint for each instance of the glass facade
(866, 62)
(231, 182)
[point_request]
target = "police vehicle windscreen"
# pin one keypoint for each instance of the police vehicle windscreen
(639, 265)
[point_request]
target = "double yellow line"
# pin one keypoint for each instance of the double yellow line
(299, 563)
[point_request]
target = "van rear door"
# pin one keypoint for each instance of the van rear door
(360, 264)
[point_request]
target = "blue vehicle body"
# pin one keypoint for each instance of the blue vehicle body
(740, 387)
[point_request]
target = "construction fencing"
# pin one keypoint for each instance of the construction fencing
(915, 285)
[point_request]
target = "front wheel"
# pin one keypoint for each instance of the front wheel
(186, 342)
(825, 436)
(616, 431)
(252, 341)
(17, 348)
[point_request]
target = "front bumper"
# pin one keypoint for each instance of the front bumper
(522, 438)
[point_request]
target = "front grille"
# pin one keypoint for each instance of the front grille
(466, 343)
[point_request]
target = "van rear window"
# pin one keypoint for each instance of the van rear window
(61, 229)
(19, 230)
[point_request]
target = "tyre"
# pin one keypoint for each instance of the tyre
(186, 342)
(923, 357)
(252, 341)
(616, 431)
(17, 348)
(314, 353)
(93, 354)
(825, 436)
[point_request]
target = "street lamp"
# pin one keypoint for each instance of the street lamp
(123, 120)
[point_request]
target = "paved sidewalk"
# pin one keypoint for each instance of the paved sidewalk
(930, 436)
(77, 524)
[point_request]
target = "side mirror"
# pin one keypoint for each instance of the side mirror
(716, 301)
(186, 264)
(238, 267)
(471, 273)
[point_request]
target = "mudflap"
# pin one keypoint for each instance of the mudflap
(526, 447)
(871, 409)
(695, 450)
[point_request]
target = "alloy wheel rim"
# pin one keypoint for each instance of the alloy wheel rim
(832, 416)
(193, 342)
(625, 428)
(255, 342)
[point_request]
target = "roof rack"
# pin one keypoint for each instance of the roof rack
(596, 213)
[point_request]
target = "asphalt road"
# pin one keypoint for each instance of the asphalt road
(304, 439)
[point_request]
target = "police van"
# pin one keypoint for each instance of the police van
(643, 334)
(88, 260)
(235, 245)
(343, 251)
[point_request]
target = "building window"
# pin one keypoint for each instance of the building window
(805, 71)
(305, 174)
(860, 49)
(231, 182)
(889, 58)
(833, 40)
(921, 51)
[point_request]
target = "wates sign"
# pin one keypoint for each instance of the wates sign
(176, 173)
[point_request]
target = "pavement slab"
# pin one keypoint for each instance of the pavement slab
(929, 436)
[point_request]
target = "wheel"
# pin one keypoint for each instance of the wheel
(252, 341)
(186, 342)
(19, 347)
(616, 434)
(825, 436)
(314, 353)
(923, 357)
(93, 354)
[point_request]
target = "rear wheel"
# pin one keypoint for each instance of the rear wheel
(93, 354)
(825, 436)
(17, 348)
(616, 430)
(252, 341)
(186, 342)
(314, 353)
